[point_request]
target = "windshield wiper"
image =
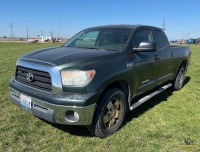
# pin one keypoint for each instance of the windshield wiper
(97, 48)
(93, 48)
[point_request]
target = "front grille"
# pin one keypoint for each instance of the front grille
(41, 80)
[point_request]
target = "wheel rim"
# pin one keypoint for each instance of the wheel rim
(112, 113)
(181, 78)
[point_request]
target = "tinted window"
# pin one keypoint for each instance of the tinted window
(142, 36)
(160, 40)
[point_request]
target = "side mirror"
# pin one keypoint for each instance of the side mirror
(146, 47)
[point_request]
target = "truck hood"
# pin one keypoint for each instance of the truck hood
(68, 56)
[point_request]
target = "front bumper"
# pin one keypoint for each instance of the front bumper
(55, 113)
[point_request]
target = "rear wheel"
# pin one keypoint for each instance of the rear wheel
(110, 113)
(180, 77)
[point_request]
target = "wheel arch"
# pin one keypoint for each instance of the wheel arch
(183, 62)
(175, 82)
(120, 84)
(177, 67)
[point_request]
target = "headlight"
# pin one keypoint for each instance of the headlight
(77, 78)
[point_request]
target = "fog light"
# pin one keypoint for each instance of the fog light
(76, 115)
(72, 116)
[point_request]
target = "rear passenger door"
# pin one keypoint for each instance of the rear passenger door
(164, 56)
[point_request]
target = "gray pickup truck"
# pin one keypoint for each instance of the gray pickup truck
(98, 75)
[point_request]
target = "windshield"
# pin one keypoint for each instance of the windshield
(107, 39)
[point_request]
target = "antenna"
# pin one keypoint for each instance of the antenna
(59, 27)
(163, 25)
(11, 29)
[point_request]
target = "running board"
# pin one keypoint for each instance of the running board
(144, 99)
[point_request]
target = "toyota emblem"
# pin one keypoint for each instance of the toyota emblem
(29, 77)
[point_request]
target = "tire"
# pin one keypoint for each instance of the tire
(110, 113)
(180, 77)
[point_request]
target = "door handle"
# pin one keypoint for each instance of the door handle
(156, 57)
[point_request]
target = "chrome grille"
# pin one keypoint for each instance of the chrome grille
(41, 80)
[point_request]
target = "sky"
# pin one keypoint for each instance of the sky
(44, 17)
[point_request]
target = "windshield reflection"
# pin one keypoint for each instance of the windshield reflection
(107, 39)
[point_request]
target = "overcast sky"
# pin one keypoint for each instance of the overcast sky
(44, 16)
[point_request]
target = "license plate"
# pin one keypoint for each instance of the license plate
(25, 101)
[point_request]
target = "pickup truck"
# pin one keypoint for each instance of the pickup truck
(98, 76)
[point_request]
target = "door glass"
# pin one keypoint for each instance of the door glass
(160, 40)
(142, 36)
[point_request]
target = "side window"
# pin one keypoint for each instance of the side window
(142, 36)
(160, 40)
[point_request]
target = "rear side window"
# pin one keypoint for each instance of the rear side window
(160, 39)
(142, 36)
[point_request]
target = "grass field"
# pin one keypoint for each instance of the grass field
(161, 124)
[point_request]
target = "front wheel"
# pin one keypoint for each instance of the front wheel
(179, 80)
(110, 113)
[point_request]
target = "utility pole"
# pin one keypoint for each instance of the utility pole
(59, 27)
(186, 35)
(163, 25)
(51, 33)
(11, 29)
(42, 33)
(27, 32)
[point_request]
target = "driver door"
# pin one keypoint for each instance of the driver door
(145, 63)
